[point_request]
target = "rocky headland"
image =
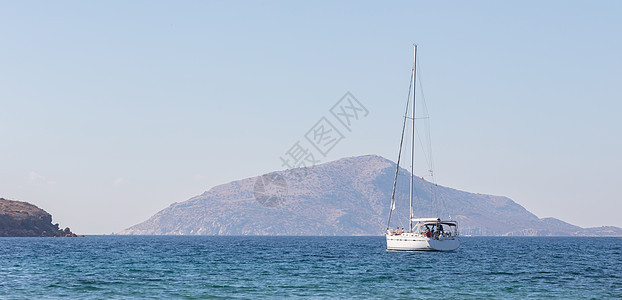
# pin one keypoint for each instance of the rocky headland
(22, 219)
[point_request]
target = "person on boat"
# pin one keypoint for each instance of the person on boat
(435, 232)
(402, 230)
(427, 231)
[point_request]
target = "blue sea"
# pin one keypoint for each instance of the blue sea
(104, 267)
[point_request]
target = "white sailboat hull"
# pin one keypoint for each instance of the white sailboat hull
(412, 242)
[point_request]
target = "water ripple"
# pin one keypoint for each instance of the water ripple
(320, 267)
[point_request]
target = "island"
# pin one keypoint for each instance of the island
(349, 196)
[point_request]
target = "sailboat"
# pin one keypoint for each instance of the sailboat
(422, 234)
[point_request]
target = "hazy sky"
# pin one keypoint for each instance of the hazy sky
(112, 110)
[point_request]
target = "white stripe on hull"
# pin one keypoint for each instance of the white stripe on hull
(406, 242)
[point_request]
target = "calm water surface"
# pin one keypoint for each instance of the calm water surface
(318, 267)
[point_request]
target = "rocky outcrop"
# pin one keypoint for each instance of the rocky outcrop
(23, 219)
(349, 196)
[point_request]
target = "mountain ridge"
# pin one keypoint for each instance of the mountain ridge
(349, 196)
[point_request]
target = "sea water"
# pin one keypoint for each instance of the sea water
(316, 267)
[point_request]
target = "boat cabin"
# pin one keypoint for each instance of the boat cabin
(435, 228)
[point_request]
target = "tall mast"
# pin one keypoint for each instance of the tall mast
(412, 146)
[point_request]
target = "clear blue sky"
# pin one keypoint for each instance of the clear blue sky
(112, 110)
